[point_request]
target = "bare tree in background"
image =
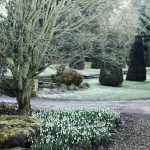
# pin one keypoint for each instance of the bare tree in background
(115, 44)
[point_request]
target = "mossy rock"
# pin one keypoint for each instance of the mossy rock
(17, 131)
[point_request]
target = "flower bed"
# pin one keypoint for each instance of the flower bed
(78, 128)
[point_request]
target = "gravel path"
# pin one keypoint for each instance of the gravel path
(134, 134)
(127, 106)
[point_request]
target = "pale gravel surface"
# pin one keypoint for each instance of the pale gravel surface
(128, 106)
(134, 134)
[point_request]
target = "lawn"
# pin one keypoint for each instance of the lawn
(129, 90)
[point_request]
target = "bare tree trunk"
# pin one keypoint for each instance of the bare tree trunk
(23, 97)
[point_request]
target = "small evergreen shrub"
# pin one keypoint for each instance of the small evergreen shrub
(137, 66)
(71, 76)
(111, 76)
(77, 63)
(74, 128)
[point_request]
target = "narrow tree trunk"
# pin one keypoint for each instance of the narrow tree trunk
(23, 97)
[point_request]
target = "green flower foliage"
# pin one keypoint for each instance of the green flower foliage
(74, 128)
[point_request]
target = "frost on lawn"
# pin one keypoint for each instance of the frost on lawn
(129, 90)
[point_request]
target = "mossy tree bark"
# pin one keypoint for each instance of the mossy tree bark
(137, 67)
(23, 97)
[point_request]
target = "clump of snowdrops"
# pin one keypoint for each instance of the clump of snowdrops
(74, 128)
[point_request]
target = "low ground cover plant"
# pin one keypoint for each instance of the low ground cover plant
(74, 128)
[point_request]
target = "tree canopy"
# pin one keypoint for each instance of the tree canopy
(29, 31)
(32, 36)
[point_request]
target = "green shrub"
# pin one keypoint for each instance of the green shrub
(111, 75)
(74, 128)
(71, 76)
(68, 77)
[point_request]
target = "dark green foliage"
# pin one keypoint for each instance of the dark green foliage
(145, 27)
(137, 68)
(96, 63)
(77, 63)
(60, 69)
(8, 87)
(144, 17)
(111, 75)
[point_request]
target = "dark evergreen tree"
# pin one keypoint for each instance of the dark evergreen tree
(111, 75)
(137, 68)
(77, 63)
(144, 17)
(96, 63)
(145, 26)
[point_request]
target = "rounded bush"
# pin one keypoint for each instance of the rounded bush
(71, 76)
(111, 76)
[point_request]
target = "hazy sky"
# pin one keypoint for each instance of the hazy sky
(4, 12)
